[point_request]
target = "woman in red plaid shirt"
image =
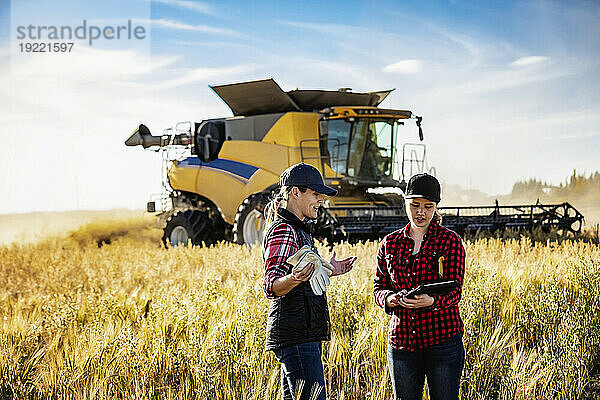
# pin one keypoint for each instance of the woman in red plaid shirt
(425, 334)
(298, 319)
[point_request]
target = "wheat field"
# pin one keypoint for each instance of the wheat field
(107, 313)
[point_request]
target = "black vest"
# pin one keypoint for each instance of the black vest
(300, 316)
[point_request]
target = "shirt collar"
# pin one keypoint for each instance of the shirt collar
(290, 217)
(432, 230)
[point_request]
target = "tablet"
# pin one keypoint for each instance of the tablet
(432, 288)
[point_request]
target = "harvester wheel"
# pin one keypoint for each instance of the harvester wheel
(188, 226)
(249, 224)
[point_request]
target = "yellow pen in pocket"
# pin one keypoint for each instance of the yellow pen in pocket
(441, 266)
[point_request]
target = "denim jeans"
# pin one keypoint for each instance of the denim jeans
(301, 362)
(441, 363)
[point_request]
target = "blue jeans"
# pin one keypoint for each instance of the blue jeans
(301, 362)
(441, 363)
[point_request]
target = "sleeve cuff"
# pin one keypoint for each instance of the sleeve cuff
(436, 303)
(385, 294)
(268, 288)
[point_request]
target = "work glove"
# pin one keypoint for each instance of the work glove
(319, 280)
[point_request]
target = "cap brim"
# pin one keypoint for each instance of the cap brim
(414, 196)
(323, 189)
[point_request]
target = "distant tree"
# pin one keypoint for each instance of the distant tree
(576, 187)
(528, 188)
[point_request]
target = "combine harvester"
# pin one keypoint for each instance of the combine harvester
(218, 174)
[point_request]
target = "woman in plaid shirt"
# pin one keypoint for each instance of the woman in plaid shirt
(425, 334)
(298, 319)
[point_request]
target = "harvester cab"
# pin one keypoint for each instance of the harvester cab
(219, 174)
(358, 145)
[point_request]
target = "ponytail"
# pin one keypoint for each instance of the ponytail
(437, 217)
(279, 200)
(276, 202)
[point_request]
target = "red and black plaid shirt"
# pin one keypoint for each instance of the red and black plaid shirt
(417, 328)
(279, 245)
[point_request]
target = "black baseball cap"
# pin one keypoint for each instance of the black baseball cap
(423, 185)
(305, 175)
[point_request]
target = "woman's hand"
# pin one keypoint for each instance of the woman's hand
(399, 299)
(282, 286)
(341, 266)
(304, 274)
(419, 301)
(393, 300)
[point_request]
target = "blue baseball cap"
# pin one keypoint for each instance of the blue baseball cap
(305, 175)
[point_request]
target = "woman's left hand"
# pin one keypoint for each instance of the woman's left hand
(419, 301)
(341, 266)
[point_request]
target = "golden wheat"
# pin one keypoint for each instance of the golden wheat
(108, 313)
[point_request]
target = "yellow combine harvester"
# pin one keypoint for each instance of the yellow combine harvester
(220, 173)
(217, 190)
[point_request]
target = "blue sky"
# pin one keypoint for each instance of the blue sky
(508, 90)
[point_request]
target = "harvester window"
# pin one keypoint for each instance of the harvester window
(372, 149)
(386, 132)
(358, 142)
(337, 144)
(361, 147)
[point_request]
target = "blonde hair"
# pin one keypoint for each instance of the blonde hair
(437, 217)
(279, 200)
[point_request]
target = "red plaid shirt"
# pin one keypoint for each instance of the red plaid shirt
(283, 242)
(414, 329)
(280, 246)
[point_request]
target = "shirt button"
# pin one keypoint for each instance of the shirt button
(414, 332)
(412, 317)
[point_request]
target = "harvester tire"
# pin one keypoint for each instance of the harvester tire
(190, 226)
(249, 224)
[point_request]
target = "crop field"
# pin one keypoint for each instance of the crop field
(107, 313)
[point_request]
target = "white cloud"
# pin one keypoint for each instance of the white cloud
(76, 122)
(404, 67)
(190, 5)
(217, 44)
(171, 24)
(203, 74)
(88, 64)
(530, 60)
(580, 135)
(468, 84)
(325, 74)
(323, 28)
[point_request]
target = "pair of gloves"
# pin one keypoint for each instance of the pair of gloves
(319, 279)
